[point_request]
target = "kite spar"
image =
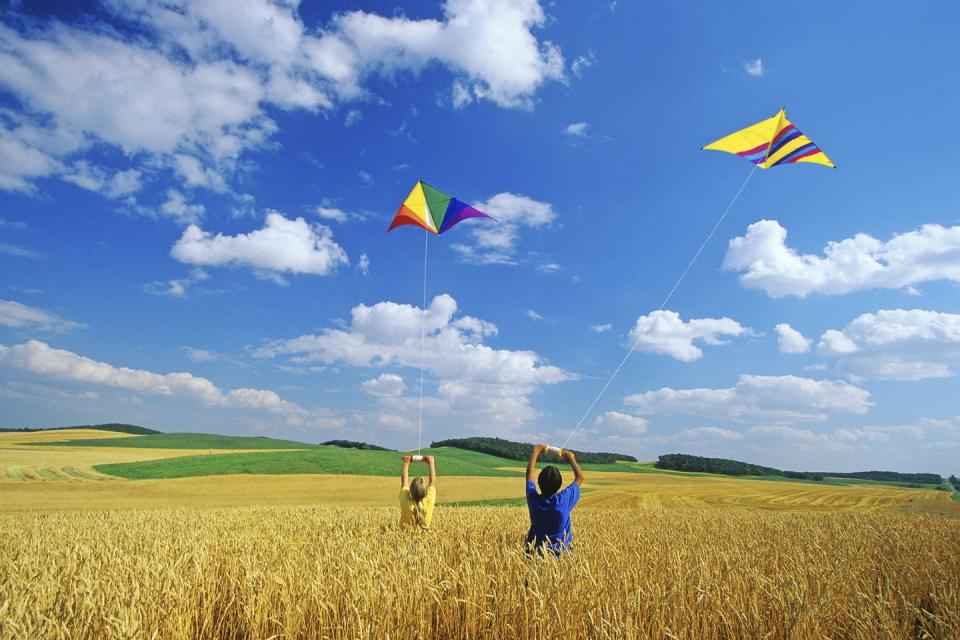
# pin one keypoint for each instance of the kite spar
(436, 212)
(769, 143)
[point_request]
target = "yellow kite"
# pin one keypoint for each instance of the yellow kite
(772, 142)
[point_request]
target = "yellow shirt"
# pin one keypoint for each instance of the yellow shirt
(407, 505)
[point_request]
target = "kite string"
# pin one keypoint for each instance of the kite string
(423, 313)
(683, 275)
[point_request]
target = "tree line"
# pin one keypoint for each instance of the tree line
(684, 462)
(521, 450)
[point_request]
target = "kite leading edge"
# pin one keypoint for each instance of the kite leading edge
(772, 142)
(433, 210)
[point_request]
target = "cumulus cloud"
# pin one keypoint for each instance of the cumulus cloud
(495, 242)
(576, 129)
(194, 85)
(854, 264)
(20, 316)
(789, 340)
(601, 328)
(281, 246)
(896, 344)
(387, 384)
(781, 399)
(363, 264)
(620, 422)
(666, 333)
(43, 360)
(753, 67)
(471, 378)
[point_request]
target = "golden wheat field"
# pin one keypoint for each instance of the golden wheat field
(313, 556)
(349, 572)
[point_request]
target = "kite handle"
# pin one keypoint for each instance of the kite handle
(557, 451)
(417, 458)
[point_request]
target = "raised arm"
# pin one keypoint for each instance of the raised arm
(405, 473)
(532, 465)
(577, 472)
(433, 470)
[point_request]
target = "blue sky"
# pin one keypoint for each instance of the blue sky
(194, 198)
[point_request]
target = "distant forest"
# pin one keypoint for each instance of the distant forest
(521, 451)
(683, 462)
(119, 428)
(351, 444)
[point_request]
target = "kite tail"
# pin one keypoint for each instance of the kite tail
(663, 304)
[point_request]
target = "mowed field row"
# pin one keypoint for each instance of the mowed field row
(24, 458)
(350, 572)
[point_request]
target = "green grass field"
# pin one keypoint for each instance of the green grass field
(286, 457)
(327, 460)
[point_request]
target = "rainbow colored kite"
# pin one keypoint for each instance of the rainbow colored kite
(772, 142)
(433, 210)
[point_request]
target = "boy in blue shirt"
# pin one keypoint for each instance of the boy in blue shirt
(549, 510)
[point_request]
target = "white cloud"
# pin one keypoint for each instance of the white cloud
(753, 67)
(178, 208)
(354, 116)
(789, 340)
(332, 213)
(19, 252)
(201, 355)
(507, 74)
(621, 422)
(281, 246)
(387, 384)
(533, 315)
(601, 328)
(365, 177)
(120, 185)
(576, 129)
(582, 63)
(41, 359)
(21, 163)
(192, 88)
(861, 262)
(666, 333)
(896, 344)
(472, 380)
(696, 437)
(20, 316)
(13, 224)
(495, 242)
(177, 287)
(363, 264)
(783, 399)
(194, 174)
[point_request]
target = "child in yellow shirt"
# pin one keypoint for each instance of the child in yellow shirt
(417, 498)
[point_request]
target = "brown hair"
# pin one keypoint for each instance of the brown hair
(418, 491)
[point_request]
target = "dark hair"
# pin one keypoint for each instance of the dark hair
(549, 480)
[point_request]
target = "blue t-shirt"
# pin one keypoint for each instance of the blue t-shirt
(550, 518)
